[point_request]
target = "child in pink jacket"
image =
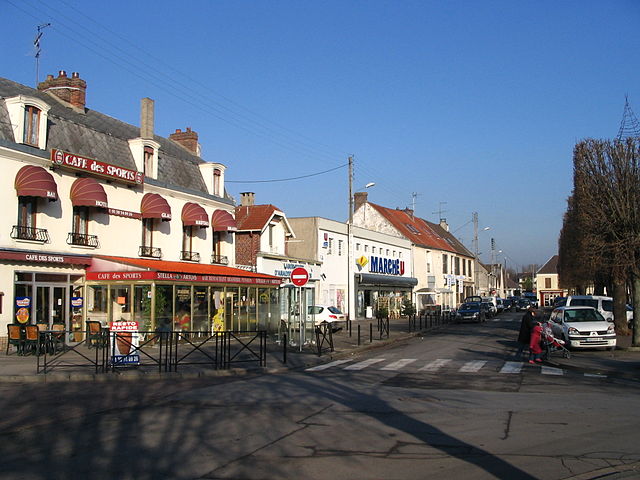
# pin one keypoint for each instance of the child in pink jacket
(534, 344)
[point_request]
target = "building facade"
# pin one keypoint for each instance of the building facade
(547, 283)
(442, 265)
(101, 215)
(380, 266)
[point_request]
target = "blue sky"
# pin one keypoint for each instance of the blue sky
(473, 105)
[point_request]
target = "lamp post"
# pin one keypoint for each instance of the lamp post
(475, 250)
(351, 301)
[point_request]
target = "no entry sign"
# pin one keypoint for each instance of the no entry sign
(299, 276)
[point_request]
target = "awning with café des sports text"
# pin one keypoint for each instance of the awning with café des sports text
(34, 181)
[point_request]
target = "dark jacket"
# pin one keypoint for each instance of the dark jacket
(528, 320)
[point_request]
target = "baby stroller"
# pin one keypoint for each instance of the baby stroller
(551, 344)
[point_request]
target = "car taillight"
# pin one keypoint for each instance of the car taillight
(333, 316)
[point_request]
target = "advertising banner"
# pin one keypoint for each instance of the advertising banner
(125, 339)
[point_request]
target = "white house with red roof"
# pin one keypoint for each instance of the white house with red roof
(443, 267)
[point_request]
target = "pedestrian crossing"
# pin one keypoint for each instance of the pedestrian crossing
(440, 365)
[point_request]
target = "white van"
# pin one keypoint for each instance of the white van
(604, 305)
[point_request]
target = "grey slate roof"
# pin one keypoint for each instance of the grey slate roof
(95, 135)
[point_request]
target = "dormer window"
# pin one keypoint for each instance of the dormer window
(28, 117)
(31, 125)
(216, 182)
(148, 161)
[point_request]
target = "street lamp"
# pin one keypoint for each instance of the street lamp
(475, 250)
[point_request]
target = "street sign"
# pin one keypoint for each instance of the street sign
(299, 276)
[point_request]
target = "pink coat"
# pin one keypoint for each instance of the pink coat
(536, 336)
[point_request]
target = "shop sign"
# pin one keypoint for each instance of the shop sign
(181, 277)
(76, 302)
(23, 302)
(386, 266)
(126, 214)
(96, 167)
(125, 340)
(43, 258)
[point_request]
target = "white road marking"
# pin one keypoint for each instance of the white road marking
(364, 364)
(399, 364)
(596, 375)
(473, 366)
(317, 368)
(551, 370)
(511, 367)
(435, 365)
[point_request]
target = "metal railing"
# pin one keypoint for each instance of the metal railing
(189, 256)
(83, 239)
(151, 252)
(220, 259)
(20, 232)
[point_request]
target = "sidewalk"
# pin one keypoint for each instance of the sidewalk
(622, 363)
(15, 368)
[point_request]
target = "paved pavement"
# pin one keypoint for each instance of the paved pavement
(623, 363)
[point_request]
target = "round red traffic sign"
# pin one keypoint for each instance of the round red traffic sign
(299, 276)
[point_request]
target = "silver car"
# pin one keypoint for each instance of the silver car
(582, 327)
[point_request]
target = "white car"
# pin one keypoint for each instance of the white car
(324, 313)
(603, 304)
(582, 327)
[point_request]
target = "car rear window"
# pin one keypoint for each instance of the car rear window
(584, 302)
(607, 305)
(334, 310)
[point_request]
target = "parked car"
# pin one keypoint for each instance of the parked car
(604, 305)
(507, 303)
(532, 297)
(582, 327)
(499, 305)
(473, 298)
(470, 312)
(324, 313)
(489, 309)
(522, 304)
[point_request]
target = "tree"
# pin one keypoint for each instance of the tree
(607, 198)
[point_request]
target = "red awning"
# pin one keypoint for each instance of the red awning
(155, 206)
(222, 221)
(194, 214)
(32, 181)
(87, 192)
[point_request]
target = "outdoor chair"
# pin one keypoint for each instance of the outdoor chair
(31, 340)
(57, 338)
(15, 337)
(95, 337)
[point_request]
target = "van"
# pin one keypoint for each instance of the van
(604, 305)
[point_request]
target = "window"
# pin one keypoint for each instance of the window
(271, 236)
(339, 247)
(547, 282)
(147, 232)
(216, 182)
(148, 161)
(456, 263)
(387, 252)
(26, 212)
(330, 249)
(80, 220)
(366, 248)
(373, 249)
(357, 246)
(445, 261)
(394, 254)
(31, 124)
(464, 267)
(187, 239)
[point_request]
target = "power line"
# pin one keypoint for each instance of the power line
(287, 179)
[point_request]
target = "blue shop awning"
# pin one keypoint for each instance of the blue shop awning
(386, 280)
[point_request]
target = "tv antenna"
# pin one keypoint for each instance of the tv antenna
(440, 210)
(36, 44)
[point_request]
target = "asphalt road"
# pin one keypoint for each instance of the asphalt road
(450, 405)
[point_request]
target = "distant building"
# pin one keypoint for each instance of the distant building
(547, 284)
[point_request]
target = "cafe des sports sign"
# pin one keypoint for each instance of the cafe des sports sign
(95, 167)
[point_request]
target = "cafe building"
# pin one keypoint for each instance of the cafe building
(104, 220)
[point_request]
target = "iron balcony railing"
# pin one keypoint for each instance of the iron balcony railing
(152, 252)
(30, 233)
(189, 256)
(83, 239)
(220, 259)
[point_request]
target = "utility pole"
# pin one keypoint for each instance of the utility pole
(475, 251)
(350, 279)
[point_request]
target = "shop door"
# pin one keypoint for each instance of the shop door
(51, 305)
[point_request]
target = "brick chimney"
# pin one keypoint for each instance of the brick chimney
(146, 118)
(188, 140)
(247, 199)
(71, 90)
(359, 199)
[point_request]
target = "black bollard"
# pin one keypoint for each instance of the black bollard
(370, 332)
(284, 349)
(358, 335)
